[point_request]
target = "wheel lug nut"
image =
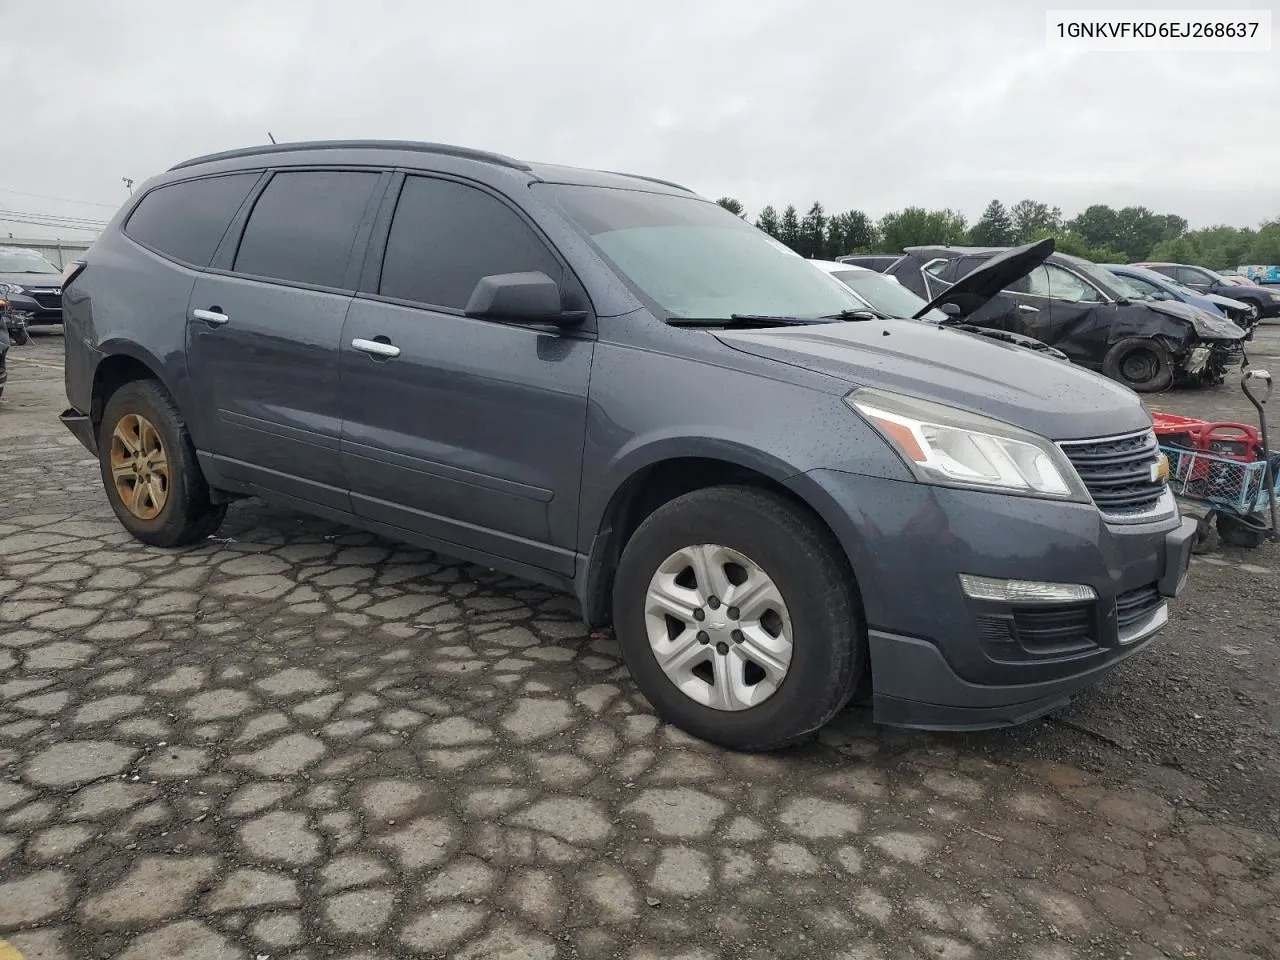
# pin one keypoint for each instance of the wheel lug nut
(722, 648)
(737, 636)
(703, 637)
(699, 614)
(714, 603)
(733, 613)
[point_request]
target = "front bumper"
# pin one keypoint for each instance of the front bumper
(1268, 308)
(941, 660)
(36, 312)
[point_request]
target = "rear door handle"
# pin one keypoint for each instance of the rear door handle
(376, 348)
(214, 317)
(1027, 308)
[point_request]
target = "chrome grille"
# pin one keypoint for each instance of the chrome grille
(1117, 472)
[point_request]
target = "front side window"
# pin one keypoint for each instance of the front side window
(1064, 285)
(1189, 275)
(694, 259)
(186, 220)
(304, 226)
(446, 236)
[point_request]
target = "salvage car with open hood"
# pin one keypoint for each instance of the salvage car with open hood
(886, 297)
(1078, 307)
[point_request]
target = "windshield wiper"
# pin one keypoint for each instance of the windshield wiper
(865, 313)
(743, 320)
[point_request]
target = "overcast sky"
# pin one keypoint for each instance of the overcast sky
(857, 104)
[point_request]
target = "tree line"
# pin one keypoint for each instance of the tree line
(1100, 233)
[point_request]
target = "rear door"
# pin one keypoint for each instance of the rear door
(264, 325)
(1016, 308)
(470, 431)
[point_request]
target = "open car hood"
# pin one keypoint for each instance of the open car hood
(978, 286)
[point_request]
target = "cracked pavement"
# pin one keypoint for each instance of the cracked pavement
(301, 741)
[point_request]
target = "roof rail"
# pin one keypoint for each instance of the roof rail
(440, 149)
(636, 176)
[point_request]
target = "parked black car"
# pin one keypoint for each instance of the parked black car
(1265, 300)
(1076, 306)
(32, 286)
(879, 262)
(612, 385)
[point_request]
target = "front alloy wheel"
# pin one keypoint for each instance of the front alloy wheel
(718, 627)
(738, 617)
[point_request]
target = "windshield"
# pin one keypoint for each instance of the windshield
(694, 259)
(885, 295)
(24, 261)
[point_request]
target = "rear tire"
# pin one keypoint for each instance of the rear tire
(1141, 364)
(150, 471)
(752, 545)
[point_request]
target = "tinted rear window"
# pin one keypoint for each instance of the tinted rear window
(186, 220)
(304, 225)
(447, 235)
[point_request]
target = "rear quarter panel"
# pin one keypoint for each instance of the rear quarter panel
(132, 302)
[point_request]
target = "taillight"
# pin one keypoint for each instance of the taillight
(72, 270)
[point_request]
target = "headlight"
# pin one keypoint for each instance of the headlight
(1273, 296)
(10, 289)
(952, 447)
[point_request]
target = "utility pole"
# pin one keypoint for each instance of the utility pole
(128, 183)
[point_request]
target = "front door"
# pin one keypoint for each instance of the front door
(466, 431)
(264, 334)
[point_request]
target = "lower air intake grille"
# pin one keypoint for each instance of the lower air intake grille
(1135, 606)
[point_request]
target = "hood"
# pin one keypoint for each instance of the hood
(1001, 271)
(1057, 400)
(32, 279)
(1206, 325)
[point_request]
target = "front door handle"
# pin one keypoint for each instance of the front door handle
(213, 316)
(1027, 308)
(377, 348)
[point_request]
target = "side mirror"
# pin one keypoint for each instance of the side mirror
(950, 309)
(532, 298)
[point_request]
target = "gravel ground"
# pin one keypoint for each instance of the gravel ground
(301, 741)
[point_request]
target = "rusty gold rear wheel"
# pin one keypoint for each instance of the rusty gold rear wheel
(140, 466)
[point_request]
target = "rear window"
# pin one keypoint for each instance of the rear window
(186, 220)
(304, 226)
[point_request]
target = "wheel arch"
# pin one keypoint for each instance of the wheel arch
(667, 471)
(122, 362)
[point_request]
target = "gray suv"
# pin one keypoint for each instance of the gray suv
(606, 383)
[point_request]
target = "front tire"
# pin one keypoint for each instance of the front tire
(150, 471)
(1141, 364)
(737, 616)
